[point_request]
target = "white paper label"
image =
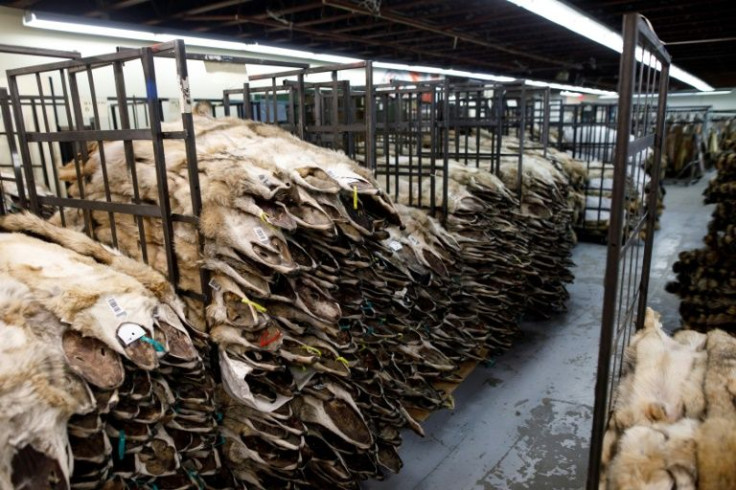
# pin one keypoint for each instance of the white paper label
(395, 246)
(130, 332)
(185, 97)
(213, 284)
(117, 310)
(413, 240)
(346, 179)
(262, 237)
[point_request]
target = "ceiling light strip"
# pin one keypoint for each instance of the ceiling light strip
(569, 18)
(41, 21)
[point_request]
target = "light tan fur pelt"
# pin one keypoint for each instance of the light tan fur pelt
(666, 380)
(657, 457)
(720, 377)
(716, 443)
(77, 289)
(82, 244)
(38, 393)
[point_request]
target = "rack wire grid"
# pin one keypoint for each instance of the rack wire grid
(11, 174)
(643, 82)
(148, 213)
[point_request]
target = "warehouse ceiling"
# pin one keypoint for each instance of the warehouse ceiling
(492, 36)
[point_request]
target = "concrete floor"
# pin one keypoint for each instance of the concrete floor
(524, 422)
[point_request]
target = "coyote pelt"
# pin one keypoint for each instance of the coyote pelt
(716, 443)
(38, 393)
(674, 422)
(661, 456)
(663, 380)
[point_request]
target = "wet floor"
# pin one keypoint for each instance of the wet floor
(524, 422)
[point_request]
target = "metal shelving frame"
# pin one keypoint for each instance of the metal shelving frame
(643, 83)
(82, 72)
(11, 162)
(591, 130)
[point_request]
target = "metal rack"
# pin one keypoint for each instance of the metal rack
(526, 115)
(422, 126)
(640, 130)
(588, 132)
(78, 78)
(408, 142)
(42, 111)
(331, 113)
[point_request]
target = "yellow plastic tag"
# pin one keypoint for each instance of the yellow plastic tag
(312, 350)
(258, 308)
(355, 197)
(344, 361)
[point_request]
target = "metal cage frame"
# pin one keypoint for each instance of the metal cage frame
(71, 73)
(643, 82)
(8, 133)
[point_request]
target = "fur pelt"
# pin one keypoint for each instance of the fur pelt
(92, 298)
(716, 443)
(661, 456)
(38, 393)
(662, 383)
(720, 376)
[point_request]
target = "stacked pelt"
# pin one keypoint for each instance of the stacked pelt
(706, 277)
(485, 220)
(332, 322)
(674, 418)
(550, 204)
(548, 219)
(101, 381)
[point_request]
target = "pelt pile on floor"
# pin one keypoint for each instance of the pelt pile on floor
(101, 381)
(332, 322)
(706, 277)
(674, 418)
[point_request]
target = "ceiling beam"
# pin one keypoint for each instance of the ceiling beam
(399, 19)
(208, 7)
(124, 4)
(356, 42)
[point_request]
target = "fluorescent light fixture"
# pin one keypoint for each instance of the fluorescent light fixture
(442, 71)
(69, 24)
(697, 94)
(571, 88)
(679, 94)
(32, 20)
(295, 53)
(571, 19)
(567, 93)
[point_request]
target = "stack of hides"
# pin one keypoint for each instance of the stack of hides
(706, 277)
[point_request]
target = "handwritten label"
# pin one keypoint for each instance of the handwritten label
(413, 240)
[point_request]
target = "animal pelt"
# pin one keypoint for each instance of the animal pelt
(663, 380)
(92, 298)
(661, 456)
(720, 376)
(716, 452)
(82, 244)
(38, 393)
